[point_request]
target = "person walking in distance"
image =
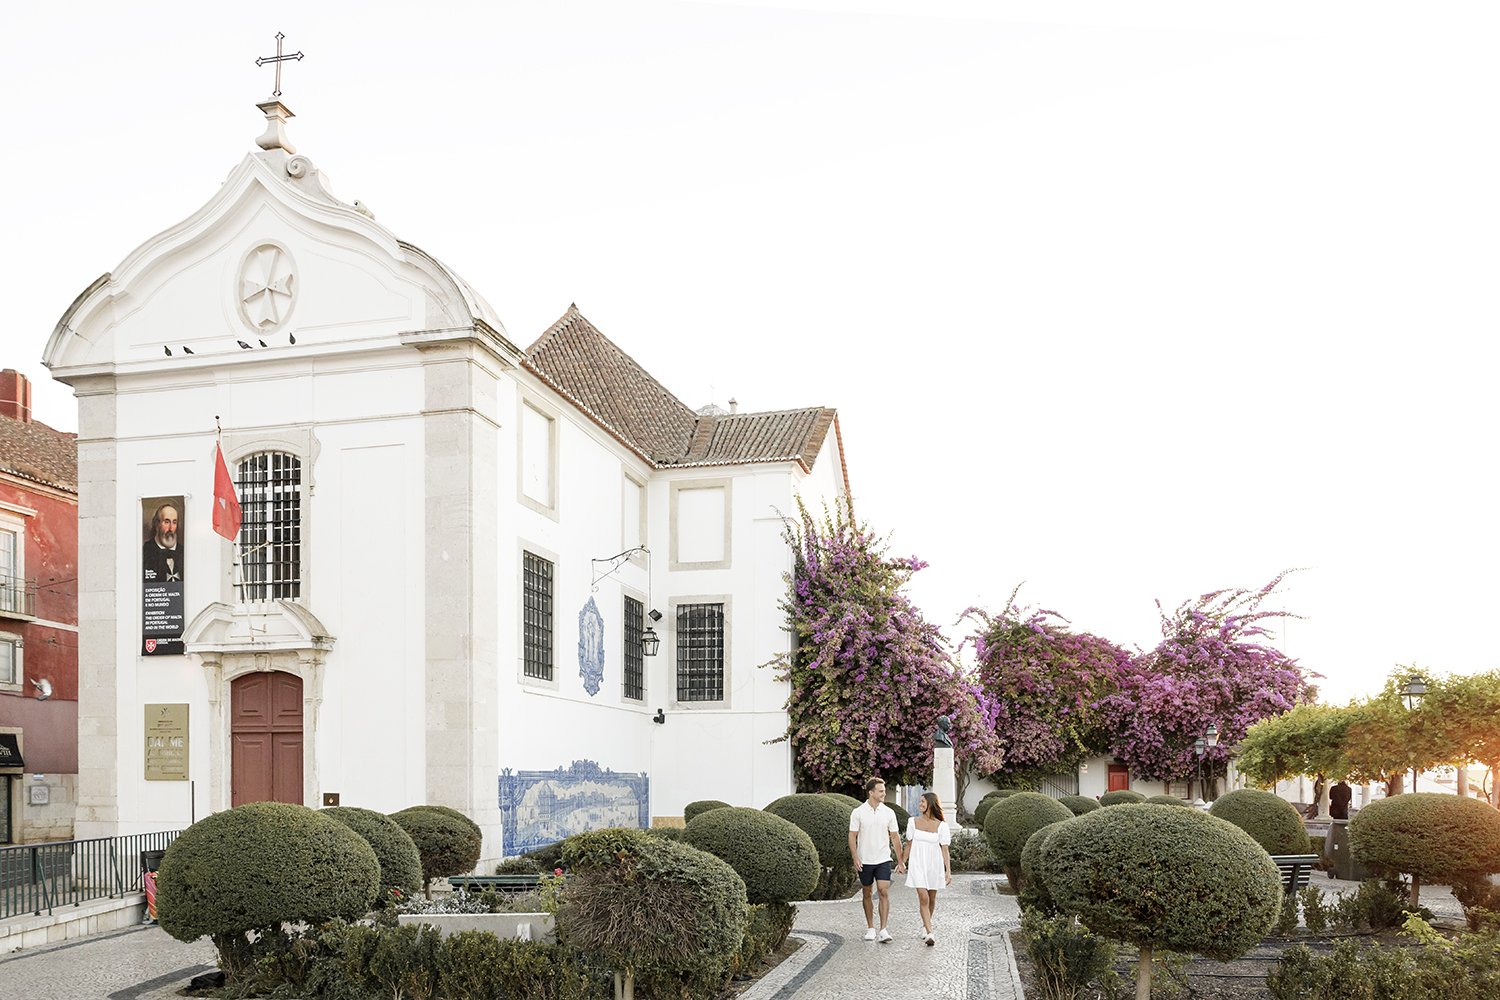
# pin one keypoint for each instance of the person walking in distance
(873, 835)
(928, 868)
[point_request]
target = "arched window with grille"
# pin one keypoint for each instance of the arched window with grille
(270, 543)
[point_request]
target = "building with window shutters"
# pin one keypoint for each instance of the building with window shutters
(38, 621)
(528, 583)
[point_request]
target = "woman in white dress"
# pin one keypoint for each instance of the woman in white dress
(928, 868)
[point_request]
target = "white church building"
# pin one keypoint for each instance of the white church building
(530, 584)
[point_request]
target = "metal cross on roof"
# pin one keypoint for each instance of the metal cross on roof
(278, 59)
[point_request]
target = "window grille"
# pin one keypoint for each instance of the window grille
(270, 490)
(700, 652)
(635, 688)
(536, 602)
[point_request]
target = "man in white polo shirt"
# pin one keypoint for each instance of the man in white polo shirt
(873, 835)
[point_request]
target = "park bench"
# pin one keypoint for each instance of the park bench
(1296, 870)
(494, 883)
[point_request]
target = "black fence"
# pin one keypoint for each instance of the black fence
(39, 878)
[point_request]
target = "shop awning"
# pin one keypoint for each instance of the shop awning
(10, 751)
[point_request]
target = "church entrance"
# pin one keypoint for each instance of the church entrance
(265, 726)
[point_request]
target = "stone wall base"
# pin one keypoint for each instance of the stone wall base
(66, 923)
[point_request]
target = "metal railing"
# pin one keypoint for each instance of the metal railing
(38, 878)
(1058, 785)
(17, 597)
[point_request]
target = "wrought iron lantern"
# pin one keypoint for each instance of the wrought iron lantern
(650, 643)
(1413, 691)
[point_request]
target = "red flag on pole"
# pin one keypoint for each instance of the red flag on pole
(226, 504)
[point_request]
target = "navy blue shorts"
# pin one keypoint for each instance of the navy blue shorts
(875, 873)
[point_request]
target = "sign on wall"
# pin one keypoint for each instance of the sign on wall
(166, 743)
(162, 556)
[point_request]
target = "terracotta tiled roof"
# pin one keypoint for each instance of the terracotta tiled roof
(594, 374)
(37, 452)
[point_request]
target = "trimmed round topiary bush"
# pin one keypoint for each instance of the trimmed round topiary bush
(693, 809)
(847, 800)
(1162, 878)
(447, 842)
(658, 910)
(262, 865)
(1431, 837)
(826, 821)
(1011, 821)
(1079, 804)
(1168, 800)
(776, 859)
(665, 832)
(1271, 820)
(400, 864)
(455, 814)
(901, 816)
(1121, 797)
(1033, 891)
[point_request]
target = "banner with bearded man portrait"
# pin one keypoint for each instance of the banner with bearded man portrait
(161, 575)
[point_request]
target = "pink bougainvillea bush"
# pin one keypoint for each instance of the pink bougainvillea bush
(1043, 685)
(1210, 667)
(869, 674)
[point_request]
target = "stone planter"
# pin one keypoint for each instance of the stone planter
(522, 926)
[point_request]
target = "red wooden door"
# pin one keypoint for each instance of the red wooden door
(265, 727)
(1119, 778)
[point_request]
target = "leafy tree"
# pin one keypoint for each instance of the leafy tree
(1386, 740)
(1309, 740)
(869, 674)
(1470, 707)
(1043, 685)
(1210, 667)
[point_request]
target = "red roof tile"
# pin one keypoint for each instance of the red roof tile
(34, 451)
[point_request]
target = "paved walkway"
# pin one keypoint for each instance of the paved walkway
(141, 963)
(972, 959)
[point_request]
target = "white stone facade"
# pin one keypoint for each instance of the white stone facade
(419, 428)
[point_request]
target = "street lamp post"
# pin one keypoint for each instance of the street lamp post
(1412, 692)
(1211, 738)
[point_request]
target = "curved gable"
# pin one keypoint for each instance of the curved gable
(273, 257)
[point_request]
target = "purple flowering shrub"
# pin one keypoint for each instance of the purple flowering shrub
(1209, 667)
(1042, 686)
(869, 674)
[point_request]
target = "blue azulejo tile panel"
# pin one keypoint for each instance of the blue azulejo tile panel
(591, 647)
(538, 808)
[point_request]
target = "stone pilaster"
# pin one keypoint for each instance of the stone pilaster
(99, 638)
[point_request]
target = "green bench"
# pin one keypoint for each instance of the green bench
(494, 883)
(1296, 870)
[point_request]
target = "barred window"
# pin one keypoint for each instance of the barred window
(635, 688)
(536, 605)
(270, 490)
(700, 652)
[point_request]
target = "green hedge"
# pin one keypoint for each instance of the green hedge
(1433, 837)
(447, 841)
(260, 865)
(776, 859)
(990, 798)
(1271, 820)
(901, 816)
(400, 864)
(1121, 797)
(826, 821)
(846, 800)
(1010, 823)
(1079, 804)
(1164, 878)
(694, 809)
(670, 912)
(1168, 800)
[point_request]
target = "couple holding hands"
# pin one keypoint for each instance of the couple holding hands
(873, 837)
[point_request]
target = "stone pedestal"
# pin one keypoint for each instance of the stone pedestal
(945, 782)
(1463, 781)
(1324, 804)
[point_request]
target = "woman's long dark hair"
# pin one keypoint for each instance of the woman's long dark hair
(934, 807)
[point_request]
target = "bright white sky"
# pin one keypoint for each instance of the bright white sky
(1124, 301)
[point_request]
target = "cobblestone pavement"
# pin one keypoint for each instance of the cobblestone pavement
(141, 963)
(971, 960)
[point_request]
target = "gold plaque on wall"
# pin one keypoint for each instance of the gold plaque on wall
(166, 743)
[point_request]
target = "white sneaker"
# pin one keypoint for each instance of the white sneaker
(884, 937)
(931, 940)
(870, 934)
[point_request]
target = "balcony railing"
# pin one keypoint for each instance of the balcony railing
(17, 597)
(38, 878)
